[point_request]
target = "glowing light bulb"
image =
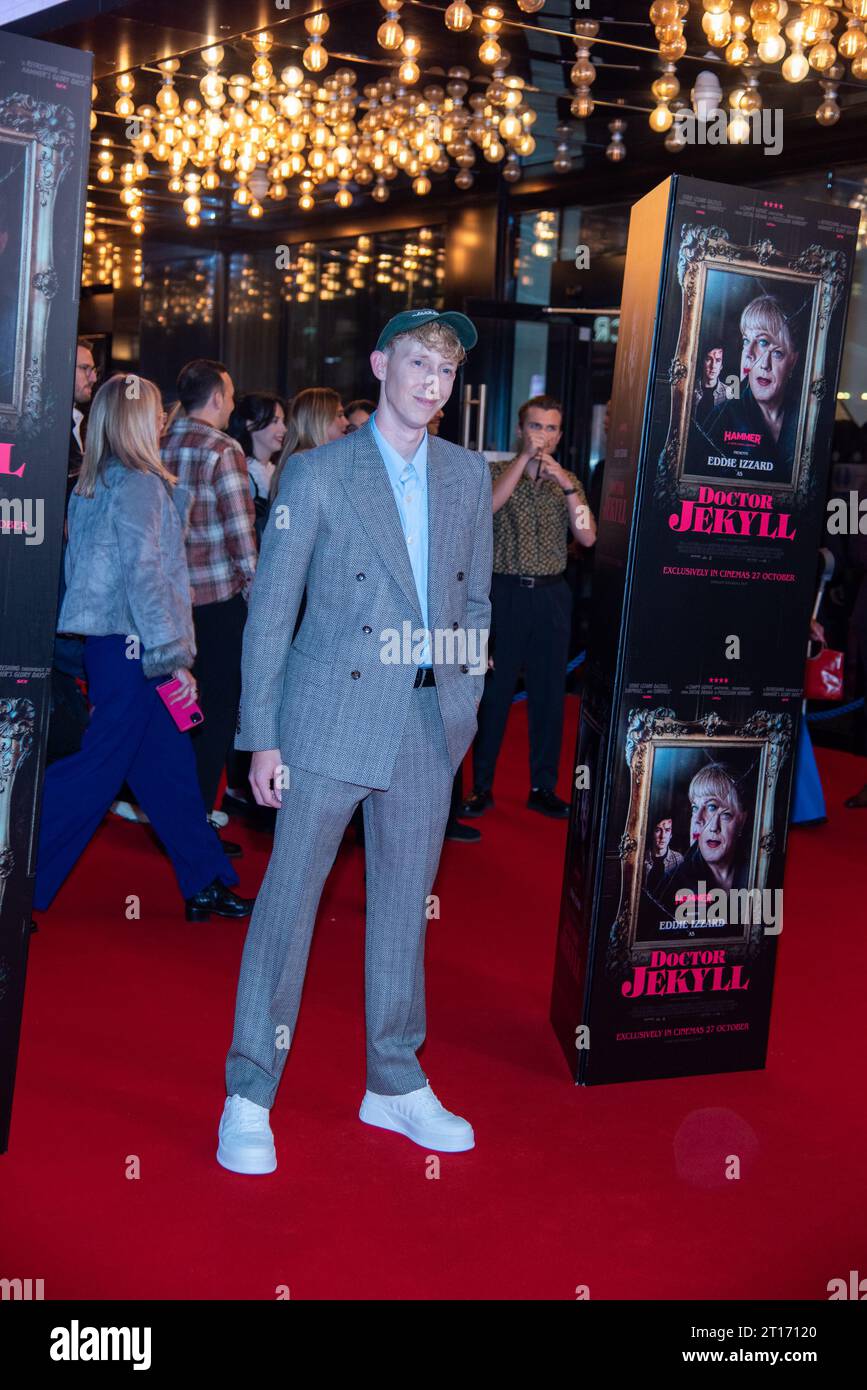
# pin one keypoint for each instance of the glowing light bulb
(771, 50)
(315, 57)
(458, 16)
(389, 35)
(796, 67)
(737, 52)
(660, 119)
(738, 130)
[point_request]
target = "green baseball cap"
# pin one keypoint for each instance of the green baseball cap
(463, 327)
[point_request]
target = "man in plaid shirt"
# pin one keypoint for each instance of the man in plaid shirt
(221, 553)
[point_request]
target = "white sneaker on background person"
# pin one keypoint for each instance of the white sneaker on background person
(127, 811)
(246, 1144)
(421, 1117)
(218, 819)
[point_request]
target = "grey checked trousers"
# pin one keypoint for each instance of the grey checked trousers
(404, 828)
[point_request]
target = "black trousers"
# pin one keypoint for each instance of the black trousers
(219, 633)
(69, 717)
(530, 632)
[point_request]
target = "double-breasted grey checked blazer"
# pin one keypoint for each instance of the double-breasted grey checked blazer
(327, 700)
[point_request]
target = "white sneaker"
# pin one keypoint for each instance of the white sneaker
(246, 1142)
(218, 819)
(127, 811)
(421, 1117)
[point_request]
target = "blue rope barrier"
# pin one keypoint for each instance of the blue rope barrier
(833, 713)
(572, 666)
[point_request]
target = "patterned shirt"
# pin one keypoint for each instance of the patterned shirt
(531, 531)
(221, 537)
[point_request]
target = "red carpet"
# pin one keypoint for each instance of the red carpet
(620, 1188)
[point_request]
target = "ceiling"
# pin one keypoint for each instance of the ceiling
(141, 32)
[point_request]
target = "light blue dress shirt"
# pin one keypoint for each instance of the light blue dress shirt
(408, 480)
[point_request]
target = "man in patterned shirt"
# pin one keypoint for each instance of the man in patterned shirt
(536, 504)
(221, 553)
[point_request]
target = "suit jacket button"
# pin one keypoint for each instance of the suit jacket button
(465, 670)
(356, 675)
(460, 574)
(367, 629)
(359, 576)
(454, 627)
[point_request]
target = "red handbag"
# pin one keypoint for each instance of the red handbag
(823, 673)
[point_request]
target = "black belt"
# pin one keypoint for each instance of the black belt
(424, 676)
(531, 581)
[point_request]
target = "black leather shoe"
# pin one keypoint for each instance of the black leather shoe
(229, 847)
(237, 805)
(467, 833)
(476, 803)
(547, 804)
(219, 899)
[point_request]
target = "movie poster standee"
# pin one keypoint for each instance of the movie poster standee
(44, 146)
(732, 323)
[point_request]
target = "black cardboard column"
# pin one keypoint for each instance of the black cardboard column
(44, 146)
(713, 497)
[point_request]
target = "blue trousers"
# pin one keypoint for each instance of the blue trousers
(131, 737)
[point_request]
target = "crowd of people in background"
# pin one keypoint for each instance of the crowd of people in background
(166, 512)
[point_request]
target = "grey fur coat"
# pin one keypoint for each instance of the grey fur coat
(126, 567)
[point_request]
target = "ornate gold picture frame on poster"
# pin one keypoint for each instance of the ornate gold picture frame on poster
(36, 145)
(748, 374)
(692, 779)
(17, 726)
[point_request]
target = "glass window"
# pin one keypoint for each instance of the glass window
(338, 294)
(252, 350)
(180, 314)
(536, 244)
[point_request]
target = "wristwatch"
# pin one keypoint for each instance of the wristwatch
(569, 491)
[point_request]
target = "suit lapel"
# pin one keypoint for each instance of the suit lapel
(441, 494)
(368, 485)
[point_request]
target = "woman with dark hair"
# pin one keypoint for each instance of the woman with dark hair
(258, 422)
(358, 413)
(128, 595)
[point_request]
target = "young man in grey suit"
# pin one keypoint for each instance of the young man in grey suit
(389, 531)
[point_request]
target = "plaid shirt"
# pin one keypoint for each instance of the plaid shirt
(221, 536)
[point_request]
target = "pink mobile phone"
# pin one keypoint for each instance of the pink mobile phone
(185, 716)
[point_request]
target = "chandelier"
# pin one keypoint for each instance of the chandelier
(798, 38)
(266, 135)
